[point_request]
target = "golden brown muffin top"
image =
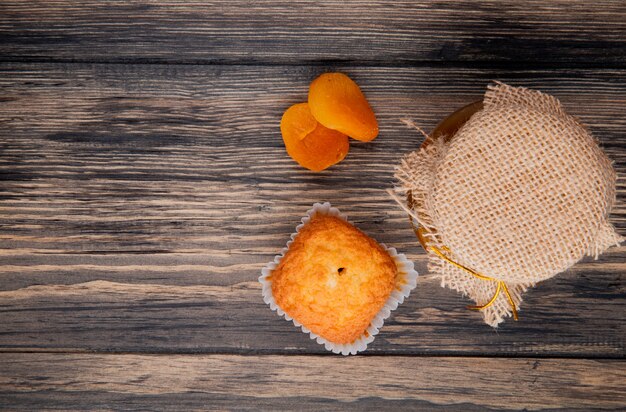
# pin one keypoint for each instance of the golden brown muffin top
(333, 279)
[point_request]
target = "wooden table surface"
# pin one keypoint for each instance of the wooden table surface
(144, 184)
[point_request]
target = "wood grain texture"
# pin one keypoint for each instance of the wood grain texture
(139, 203)
(106, 316)
(224, 31)
(143, 185)
(85, 381)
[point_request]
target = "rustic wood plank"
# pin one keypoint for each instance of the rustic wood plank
(85, 381)
(139, 200)
(531, 31)
(572, 316)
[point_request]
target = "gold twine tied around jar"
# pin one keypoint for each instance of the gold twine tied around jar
(501, 286)
(420, 232)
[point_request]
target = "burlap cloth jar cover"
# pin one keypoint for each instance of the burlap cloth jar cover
(519, 194)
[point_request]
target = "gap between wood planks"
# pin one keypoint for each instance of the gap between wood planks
(272, 352)
(336, 63)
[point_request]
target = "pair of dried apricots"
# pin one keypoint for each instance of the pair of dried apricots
(316, 133)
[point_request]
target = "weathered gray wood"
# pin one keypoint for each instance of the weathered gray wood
(144, 200)
(579, 315)
(138, 203)
(85, 381)
(531, 31)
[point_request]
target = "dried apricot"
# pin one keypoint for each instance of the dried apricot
(308, 142)
(337, 102)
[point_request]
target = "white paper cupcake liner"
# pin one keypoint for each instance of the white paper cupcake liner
(406, 281)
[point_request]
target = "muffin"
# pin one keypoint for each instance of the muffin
(336, 283)
(334, 279)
